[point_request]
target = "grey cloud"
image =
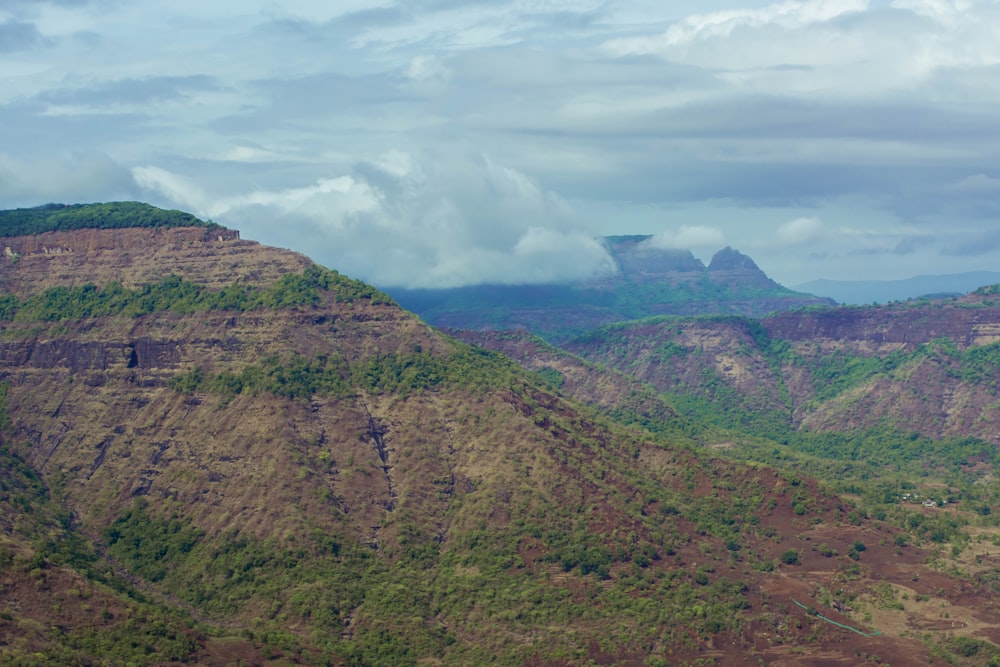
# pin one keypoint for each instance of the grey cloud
(77, 177)
(25, 129)
(378, 17)
(330, 103)
(441, 24)
(978, 245)
(132, 91)
(910, 245)
(17, 36)
(758, 117)
(343, 27)
(13, 4)
(322, 93)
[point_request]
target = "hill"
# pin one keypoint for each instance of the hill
(650, 281)
(928, 367)
(289, 468)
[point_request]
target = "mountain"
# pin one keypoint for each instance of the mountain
(649, 281)
(860, 292)
(241, 456)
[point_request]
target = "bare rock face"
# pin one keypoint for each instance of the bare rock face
(135, 256)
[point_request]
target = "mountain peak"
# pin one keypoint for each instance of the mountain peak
(729, 259)
(639, 255)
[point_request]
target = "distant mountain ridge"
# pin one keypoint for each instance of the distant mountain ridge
(650, 281)
(860, 292)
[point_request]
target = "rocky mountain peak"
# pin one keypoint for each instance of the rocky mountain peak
(729, 259)
(637, 255)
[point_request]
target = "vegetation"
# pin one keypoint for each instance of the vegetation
(43, 556)
(116, 215)
(414, 604)
(181, 296)
(296, 377)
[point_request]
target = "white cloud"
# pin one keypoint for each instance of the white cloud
(788, 15)
(177, 189)
(800, 231)
(443, 221)
(249, 154)
(331, 200)
(428, 68)
(807, 48)
(721, 24)
(976, 184)
(688, 237)
(938, 9)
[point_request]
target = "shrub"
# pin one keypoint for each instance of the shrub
(790, 557)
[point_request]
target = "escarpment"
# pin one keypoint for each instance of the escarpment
(136, 256)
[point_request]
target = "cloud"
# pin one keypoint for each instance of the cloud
(445, 138)
(143, 91)
(938, 9)
(688, 237)
(975, 184)
(76, 177)
(831, 49)
(788, 15)
(12, 4)
(18, 36)
(428, 68)
(417, 221)
(974, 245)
(800, 231)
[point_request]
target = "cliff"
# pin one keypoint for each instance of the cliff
(967, 321)
(136, 256)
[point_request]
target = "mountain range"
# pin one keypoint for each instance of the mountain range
(648, 281)
(218, 452)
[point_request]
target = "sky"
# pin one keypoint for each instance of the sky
(436, 143)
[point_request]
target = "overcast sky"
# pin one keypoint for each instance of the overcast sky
(446, 142)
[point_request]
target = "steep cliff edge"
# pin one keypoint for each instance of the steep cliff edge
(136, 256)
